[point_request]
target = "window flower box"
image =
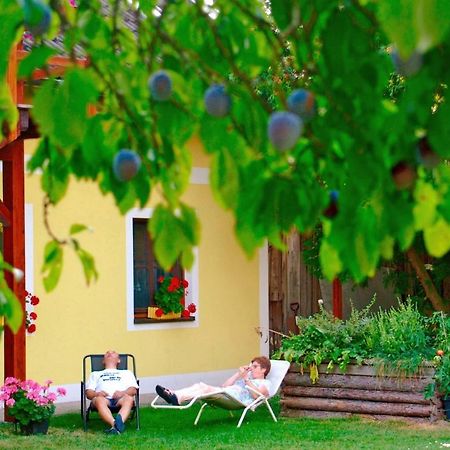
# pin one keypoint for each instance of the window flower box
(168, 316)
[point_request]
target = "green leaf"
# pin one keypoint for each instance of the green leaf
(397, 21)
(427, 200)
(10, 306)
(437, 238)
(387, 248)
(34, 60)
(53, 263)
(88, 263)
(77, 228)
(412, 24)
(224, 178)
(329, 260)
(61, 110)
(169, 240)
(282, 11)
(174, 234)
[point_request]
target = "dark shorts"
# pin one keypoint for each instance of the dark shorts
(112, 402)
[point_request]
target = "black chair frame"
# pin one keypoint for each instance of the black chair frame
(96, 363)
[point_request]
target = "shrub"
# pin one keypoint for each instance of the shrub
(397, 341)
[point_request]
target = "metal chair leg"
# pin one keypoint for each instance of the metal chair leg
(200, 413)
(242, 416)
(270, 410)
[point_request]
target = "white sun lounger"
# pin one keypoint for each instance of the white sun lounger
(223, 400)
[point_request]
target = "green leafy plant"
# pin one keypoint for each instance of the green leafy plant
(324, 338)
(441, 327)
(399, 339)
(29, 401)
(397, 342)
(169, 296)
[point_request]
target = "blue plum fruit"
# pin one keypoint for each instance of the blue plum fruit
(302, 103)
(426, 155)
(407, 67)
(217, 101)
(403, 175)
(284, 129)
(126, 164)
(332, 209)
(160, 85)
(37, 16)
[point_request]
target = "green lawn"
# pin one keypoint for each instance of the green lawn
(164, 429)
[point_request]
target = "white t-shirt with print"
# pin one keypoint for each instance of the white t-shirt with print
(111, 380)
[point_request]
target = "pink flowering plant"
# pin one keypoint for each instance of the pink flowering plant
(29, 401)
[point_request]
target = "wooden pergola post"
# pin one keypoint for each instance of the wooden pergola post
(337, 299)
(12, 217)
(12, 157)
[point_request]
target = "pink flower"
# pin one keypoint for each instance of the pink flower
(10, 402)
(73, 3)
(48, 383)
(61, 391)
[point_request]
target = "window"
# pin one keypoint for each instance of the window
(142, 273)
(146, 269)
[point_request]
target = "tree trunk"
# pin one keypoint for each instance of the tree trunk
(430, 289)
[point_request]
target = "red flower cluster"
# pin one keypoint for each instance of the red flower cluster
(191, 309)
(170, 295)
(31, 315)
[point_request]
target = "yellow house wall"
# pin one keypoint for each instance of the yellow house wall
(75, 320)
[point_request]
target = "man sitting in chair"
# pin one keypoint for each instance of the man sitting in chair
(112, 387)
(252, 376)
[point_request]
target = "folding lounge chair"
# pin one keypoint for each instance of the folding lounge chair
(221, 399)
(95, 361)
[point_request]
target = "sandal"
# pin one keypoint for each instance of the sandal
(168, 396)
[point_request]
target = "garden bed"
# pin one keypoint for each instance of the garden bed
(359, 392)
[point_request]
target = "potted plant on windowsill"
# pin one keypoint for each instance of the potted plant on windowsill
(30, 404)
(169, 298)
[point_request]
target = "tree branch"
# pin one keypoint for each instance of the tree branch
(426, 281)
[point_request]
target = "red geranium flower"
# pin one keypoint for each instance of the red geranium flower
(159, 312)
(185, 283)
(34, 300)
(31, 328)
(33, 315)
(186, 313)
(192, 308)
(160, 279)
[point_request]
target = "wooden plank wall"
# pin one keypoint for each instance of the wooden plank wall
(292, 290)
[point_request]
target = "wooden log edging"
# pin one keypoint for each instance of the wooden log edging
(359, 392)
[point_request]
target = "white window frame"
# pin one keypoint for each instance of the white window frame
(191, 276)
